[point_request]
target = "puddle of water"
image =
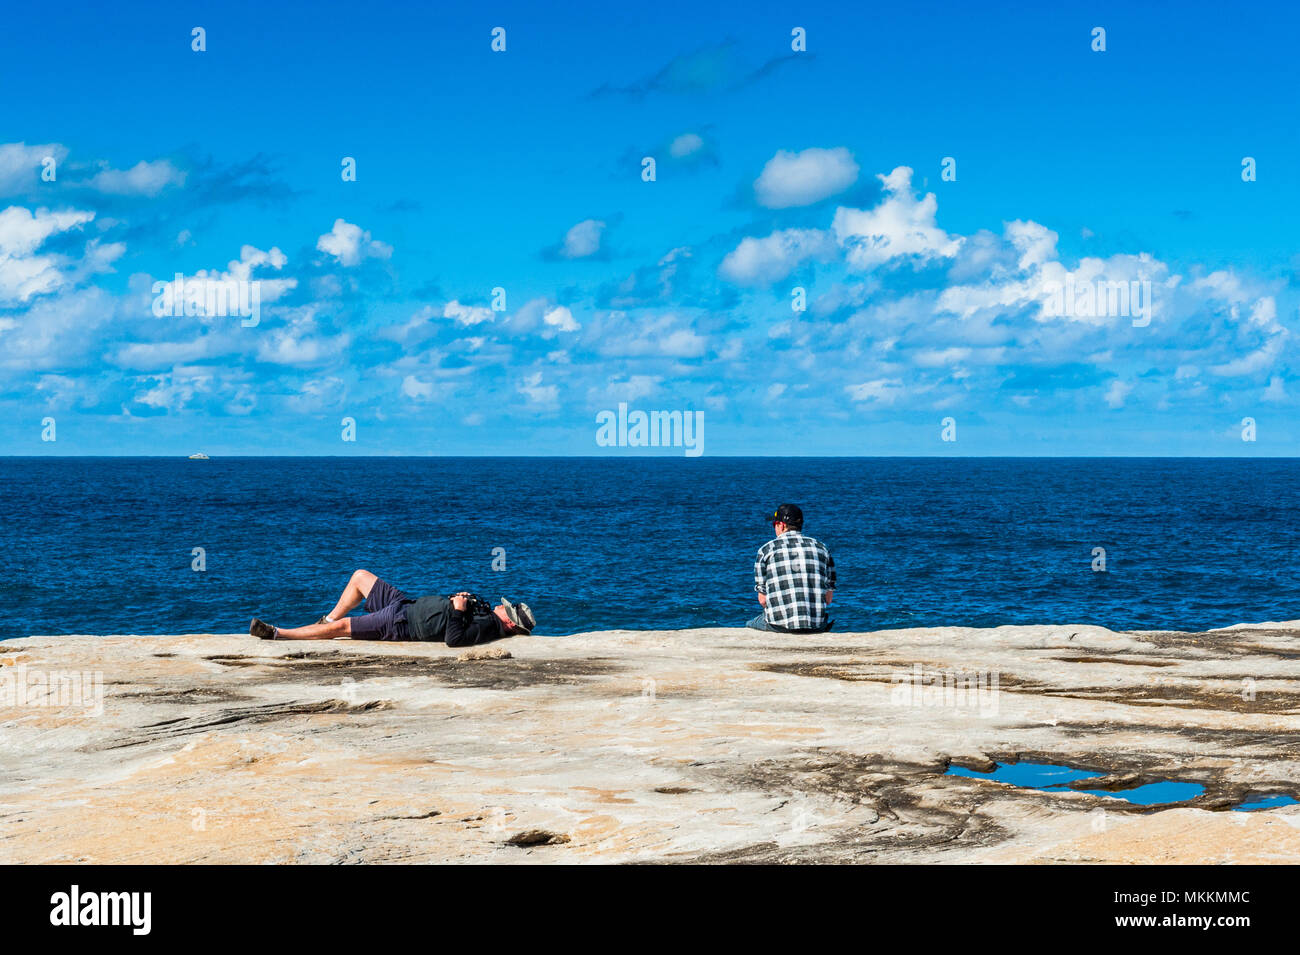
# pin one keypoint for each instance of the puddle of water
(1047, 776)
(1029, 775)
(1266, 802)
(1153, 794)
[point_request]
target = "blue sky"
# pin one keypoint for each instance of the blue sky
(820, 169)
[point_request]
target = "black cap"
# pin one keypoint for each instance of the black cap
(788, 514)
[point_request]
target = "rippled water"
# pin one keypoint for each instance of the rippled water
(104, 545)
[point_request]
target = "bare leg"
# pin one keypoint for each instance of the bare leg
(318, 631)
(354, 594)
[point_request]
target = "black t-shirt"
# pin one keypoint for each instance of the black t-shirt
(433, 618)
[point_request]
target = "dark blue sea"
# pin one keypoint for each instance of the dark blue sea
(105, 545)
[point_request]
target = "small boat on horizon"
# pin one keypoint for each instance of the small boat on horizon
(199, 456)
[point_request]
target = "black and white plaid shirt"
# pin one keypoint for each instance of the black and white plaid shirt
(795, 572)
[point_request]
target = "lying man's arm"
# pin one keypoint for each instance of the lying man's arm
(463, 630)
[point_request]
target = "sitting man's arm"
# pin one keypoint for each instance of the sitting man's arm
(760, 580)
(830, 577)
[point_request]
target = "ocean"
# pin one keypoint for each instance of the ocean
(108, 545)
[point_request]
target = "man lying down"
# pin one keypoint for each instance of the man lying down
(459, 620)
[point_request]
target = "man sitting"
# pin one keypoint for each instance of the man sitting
(461, 620)
(794, 577)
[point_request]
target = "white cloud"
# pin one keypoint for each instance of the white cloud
(20, 279)
(561, 318)
(800, 179)
(176, 389)
(770, 259)
(466, 314)
(1023, 273)
(1264, 312)
(664, 336)
(24, 274)
(881, 391)
(732, 348)
(531, 387)
(21, 165)
(97, 257)
(1035, 243)
(583, 239)
(350, 245)
(685, 145)
(62, 391)
(1117, 392)
(241, 269)
(418, 327)
(943, 357)
(681, 343)
(901, 225)
(527, 318)
(57, 331)
(289, 348)
(299, 341)
(413, 387)
(630, 388)
(242, 402)
(251, 257)
(142, 179)
(22, 232)
(146, 355)
(317, 394)
(1255, 361)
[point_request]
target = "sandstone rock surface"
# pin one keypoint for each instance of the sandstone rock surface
(710, 745)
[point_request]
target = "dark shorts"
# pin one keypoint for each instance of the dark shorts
(385, 616)
(760, 623)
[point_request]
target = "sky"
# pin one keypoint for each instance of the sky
(907, 237)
